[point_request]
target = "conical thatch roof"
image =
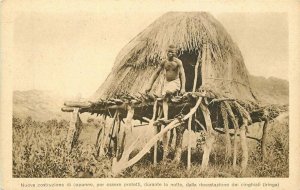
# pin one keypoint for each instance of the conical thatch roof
(222, 68)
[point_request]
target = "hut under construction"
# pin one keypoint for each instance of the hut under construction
(218, 93)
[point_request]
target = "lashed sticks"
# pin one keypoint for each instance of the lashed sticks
(117, 167)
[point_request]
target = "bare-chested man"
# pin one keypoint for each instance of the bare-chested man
(174, 74)
(174, 81)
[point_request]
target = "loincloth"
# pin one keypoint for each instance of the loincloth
(171, 86)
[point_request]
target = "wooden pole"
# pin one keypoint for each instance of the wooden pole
(226, 130)
(128, 125)
(165, 137)
(112, 133)
(99, 140)
(235, 147)
(77, 104)
(122, 145)
(203, 65)
(264, 139)
(190, 144)
(236, 129)
(209, 136)
(119, 135)
(100, 137)
(155, 131)
(196, 73)
(171, 139)
(105, 139)
(190, 119)
(74, 130)
(244, 146)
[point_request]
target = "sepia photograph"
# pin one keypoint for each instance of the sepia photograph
(114, 92)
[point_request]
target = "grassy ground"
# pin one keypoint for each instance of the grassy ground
(39, 151)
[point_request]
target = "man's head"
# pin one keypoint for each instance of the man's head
(171, 52)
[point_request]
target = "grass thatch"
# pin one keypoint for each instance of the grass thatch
(224, 72)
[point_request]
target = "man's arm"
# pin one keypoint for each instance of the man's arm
(181, 76)
(154, 77)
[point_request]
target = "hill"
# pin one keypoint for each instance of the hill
(270, 91)
(40, 105)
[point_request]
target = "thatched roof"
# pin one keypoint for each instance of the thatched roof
(222, 69)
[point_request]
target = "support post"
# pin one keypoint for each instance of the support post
(190, 144)
(100, 142)
(207, 147)
(226, 130)
(209, 140)
(236, 128)
(122, 142)
(127, 128)
(165, 137)
(189, 157)
(112, 135)
(105, 139)
(171, 137)
(119, 135)
(178, 143)
(203, 65)
(155, 132)
(263, 140)
(244, 146)
(74, 130)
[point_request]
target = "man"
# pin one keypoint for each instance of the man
(173, 71)
(174, 80)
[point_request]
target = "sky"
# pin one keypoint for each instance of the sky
(72, 52)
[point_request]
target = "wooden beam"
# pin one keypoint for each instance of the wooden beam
(103, 137)
(101, 141)
(190, 119)
(112, 133)
(74, 130)
(165, 136)
(127, 129)
(155, 131)
(226, 130)
(206, 114)
(189, 144)
(264, 140)
(236, 130)
(120, 136)
(244, 146)
(203, 64)
(196, 73)
(77, 104)
(209, 136)
(67, 109)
